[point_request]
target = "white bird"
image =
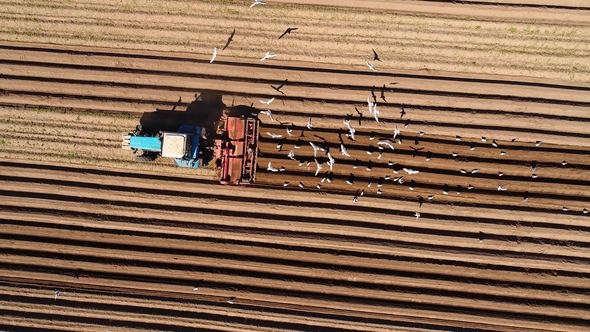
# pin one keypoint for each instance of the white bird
(500, 173)
(57, 292)
(268, 55)
(564, 208)
(537, 143)
(270, 168)
(535, 176)
(286, 183)
(475, 170)
(214, 55)
(564, 163)
(501, 188)
(502, 153)
(387, 143)
(585, 211)
(370, 65)
(380, 155)
(267, 102)
(431, 197)
(309, 125)
(257, 2)
(331, 161)
(344, 151)
(457, 138)
(483, 139)
(422, 133)
(273, 135)
(454, 154)
(379, 192)
(395, 132)
(231, 300)
(290, 132)
(350, 129)
(370, 105)
(318, 186)
(410, 171)
(376, 112)
(463, 171)
(494, 144)
(269, 113)
(301, 185)
(417, 215)
(469, 186)
(315, 149)
(291, 155)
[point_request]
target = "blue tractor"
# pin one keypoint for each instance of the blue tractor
(182, 146)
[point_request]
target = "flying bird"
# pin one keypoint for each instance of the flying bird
(57, 292)
(376, 112)
(214, 55)
(315, 149)
(287, 32)
(268, 55)
(331, 161)
(272, 135)
(344, 151)
(395, 132)
(375, 56)
(370, 103)
(370, 65)
(257, 2)
(387, 143)
(417, 215)
(291, 155)
(231, 299)
(229, 40)
(267, 102)
(501, 188)
(309, 125)
(318, 166)
(410, 171)
(271, 168)
(278, 88)
(269, 113)
(290, 132)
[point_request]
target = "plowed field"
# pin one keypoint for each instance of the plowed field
(127, 244)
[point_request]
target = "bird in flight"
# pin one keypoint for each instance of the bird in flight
(318, 167)
(375, 56)
(278, 88)
(309, 125)
(267, 102)
(291, 155)
(273, 135)
(371, 104)
(231, 300)
(417, 215)
(410, 171)
(268, 55)
(269, 113)
(214, 55)
(344, 151)
(229, 40)
(376, 112)
(287, 32)
(257, 2)
(271, 168)
(57, 292)
(370, 65)
(290, 132)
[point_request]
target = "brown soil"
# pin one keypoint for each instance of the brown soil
(142, 236)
